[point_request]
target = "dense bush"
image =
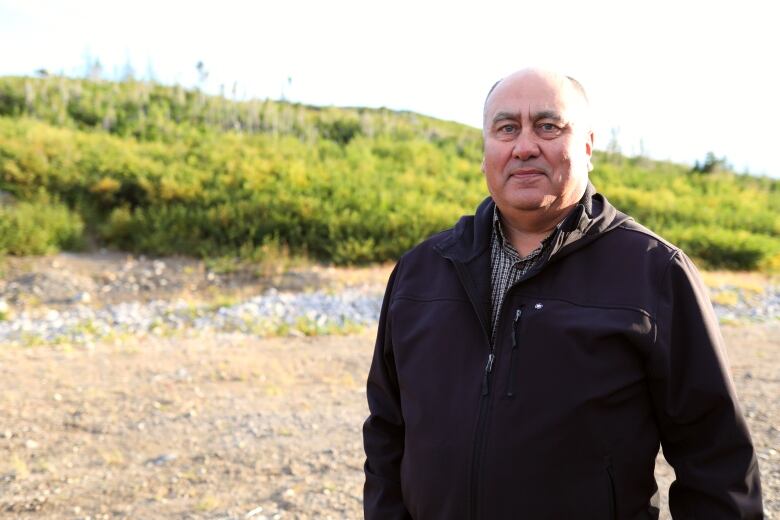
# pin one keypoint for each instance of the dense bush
(163, 170)
(29, 228)
(362, 201)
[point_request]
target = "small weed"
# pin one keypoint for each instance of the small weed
(87, 328)
(192, 311)
(19, 467)
(728, 321)
(207, 503)
(728, 298)
(112, 457)
(311, 327)
(44, 466)
(272, 390)
(220, 301)
(29, 339)
(223, 264)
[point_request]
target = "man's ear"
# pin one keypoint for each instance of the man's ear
(589, 149)
(482, 167)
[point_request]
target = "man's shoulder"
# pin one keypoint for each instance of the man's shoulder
(630, 231)
(430, 248)
(426, 271)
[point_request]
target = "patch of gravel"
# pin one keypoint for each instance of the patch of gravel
(747, 305)
(270, 314)
(106, 278)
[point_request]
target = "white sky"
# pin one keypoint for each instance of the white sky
(682, 77)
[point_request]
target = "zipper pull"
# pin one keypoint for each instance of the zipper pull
(518, 313)
(510, 392)
(488, 369)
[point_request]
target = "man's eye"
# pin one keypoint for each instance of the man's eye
(507, 129)
(549, 129)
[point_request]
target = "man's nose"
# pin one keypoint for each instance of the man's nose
(525, 147)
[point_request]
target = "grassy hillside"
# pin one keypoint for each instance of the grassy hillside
(165, 170)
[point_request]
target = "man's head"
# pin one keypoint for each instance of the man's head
(538, 143)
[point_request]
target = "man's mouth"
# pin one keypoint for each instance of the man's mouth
(524, 172)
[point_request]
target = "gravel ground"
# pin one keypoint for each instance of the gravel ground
(168, 401)
(270, 314)
(73, 299)
(221, 426)
(202, 427)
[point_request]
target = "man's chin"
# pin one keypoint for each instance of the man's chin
(525, 202)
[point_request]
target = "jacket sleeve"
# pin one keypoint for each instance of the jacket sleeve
(383, 431)
(703, 432)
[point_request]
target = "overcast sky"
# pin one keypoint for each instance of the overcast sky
(682, 78)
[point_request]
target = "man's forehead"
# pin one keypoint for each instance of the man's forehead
(533, 94)
(538, 96)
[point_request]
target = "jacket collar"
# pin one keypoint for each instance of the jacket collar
(467, 244)
(592, 217)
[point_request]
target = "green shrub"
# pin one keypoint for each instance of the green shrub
(28, 228)
(725, 248)
(162, 170)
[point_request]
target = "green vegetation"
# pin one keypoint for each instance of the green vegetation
(38, 227)
(164, 170)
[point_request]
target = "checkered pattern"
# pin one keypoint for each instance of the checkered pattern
(507, 267)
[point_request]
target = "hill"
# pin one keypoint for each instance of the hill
(164, 170)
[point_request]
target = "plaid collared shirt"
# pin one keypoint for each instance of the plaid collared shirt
(507, 266)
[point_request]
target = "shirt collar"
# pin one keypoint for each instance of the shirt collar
(497, 228)
(506, 245)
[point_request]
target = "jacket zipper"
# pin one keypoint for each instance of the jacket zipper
(464, 278)
(510, 389)
(488, 369)
(485, 394)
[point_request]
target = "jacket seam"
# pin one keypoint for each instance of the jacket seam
(646, 232)
(425, 300)
(448, 240)
(388, 332)
(662, 277)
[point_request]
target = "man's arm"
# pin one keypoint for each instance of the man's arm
(383, 431)
(703, 433)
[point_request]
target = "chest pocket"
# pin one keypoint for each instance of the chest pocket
(592, 350)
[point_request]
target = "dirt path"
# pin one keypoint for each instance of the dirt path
(219, 427)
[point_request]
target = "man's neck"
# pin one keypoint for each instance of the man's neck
(526, 230)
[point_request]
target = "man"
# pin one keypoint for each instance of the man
(530, 360)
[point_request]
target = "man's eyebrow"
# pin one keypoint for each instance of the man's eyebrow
(542, 114)
(504, 115)
(547, 114)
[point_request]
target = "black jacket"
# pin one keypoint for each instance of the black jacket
(606, 348)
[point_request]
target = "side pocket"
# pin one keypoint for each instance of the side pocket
(611, 491)
(510, 392)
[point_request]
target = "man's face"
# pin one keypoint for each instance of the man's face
(538, 143)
